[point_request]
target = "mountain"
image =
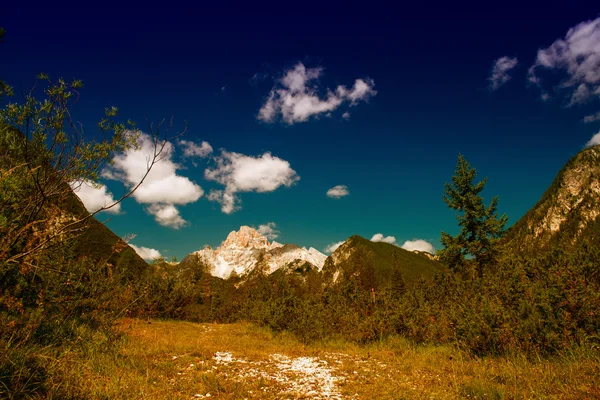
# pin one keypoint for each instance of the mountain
(355, 250)
(100, 244)
(568, 214)
(244, 250)
(60, 205)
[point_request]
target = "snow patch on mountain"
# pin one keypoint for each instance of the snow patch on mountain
(242, 249)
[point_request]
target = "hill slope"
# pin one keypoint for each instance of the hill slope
(60, 204)
(414, 265)
(100, 244)
(567, 215)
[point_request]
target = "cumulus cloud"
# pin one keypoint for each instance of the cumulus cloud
(162, 189)
(592, 118)
(95, 196)
(145, 252)
(501, 71)
(346, 115)
(378, 237)
(338, 191)
(594, 141)
(230, 203)
(268, 230)
(166, 215)
(577, 56)
(296, 98)
(191, 149)
(241, 173)
(333, 247)
(361, 91)
(419, 245)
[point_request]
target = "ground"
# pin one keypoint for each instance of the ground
(182, 360)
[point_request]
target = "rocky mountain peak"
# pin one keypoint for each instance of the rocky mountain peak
(567, 208)
(242, 249)
(246, 237)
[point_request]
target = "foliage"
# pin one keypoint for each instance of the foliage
(42, 152)
(481, 227)
(60, 269)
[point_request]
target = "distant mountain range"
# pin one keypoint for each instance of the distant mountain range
(245, 250)
(567, 216)
(242, 250)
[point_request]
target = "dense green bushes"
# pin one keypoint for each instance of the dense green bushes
(521, 305)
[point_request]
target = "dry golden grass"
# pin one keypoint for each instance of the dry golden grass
(176, 360)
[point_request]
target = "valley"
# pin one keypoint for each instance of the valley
(262, 220)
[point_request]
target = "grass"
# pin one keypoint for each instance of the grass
(182, 360)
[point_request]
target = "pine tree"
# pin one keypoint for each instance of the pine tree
(481, 227)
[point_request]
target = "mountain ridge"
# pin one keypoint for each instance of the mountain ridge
(242, 250)
(568, 210)
(413, 265)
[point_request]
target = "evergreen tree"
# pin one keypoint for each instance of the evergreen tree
(481, 227)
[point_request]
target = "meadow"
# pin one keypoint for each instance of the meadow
(164, 359)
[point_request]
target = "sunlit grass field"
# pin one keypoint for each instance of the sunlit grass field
(182, 360)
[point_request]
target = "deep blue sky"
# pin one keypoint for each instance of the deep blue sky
(429, 64)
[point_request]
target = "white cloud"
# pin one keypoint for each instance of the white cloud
(242, 173)
(501, 71)
(296, 98)
(346, 115)
(191, 149)
(333, 247)
(162, 188)
(418, 244)
(145, 252)
(94, 197)
(229, 202)
(338, 191)
(166, 215)
(268, 230)
(361, 91)
(378, 237)
(594, 141)
(592, 118)
(578, 57)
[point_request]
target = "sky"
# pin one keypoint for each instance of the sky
(313, 123)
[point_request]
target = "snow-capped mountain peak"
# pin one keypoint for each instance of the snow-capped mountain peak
(247, 238)
(242, 249)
